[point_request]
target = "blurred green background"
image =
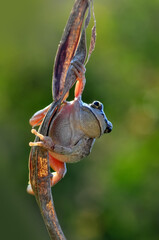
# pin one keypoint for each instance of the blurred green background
(114, 193)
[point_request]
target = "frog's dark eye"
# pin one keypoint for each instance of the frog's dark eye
(97, 104)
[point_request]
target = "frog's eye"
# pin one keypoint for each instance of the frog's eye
(97, 104)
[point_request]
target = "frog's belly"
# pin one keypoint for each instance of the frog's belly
(66, 158)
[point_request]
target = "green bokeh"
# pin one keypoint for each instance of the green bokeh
(114, 193)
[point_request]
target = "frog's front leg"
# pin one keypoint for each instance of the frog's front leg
(37, 118)
(77, 151)
(79, 69)
(46, 142)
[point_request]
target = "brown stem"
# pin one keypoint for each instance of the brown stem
(40, 181)
(68, 45)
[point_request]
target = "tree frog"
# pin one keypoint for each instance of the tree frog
(73, 131)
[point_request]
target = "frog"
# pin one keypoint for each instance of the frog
(73, 131)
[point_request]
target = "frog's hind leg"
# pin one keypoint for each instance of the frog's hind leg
(79, 70)
(59, 168)
(37, 118)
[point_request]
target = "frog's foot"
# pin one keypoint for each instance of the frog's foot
(29, 189)
(79, 69)
(46, 142)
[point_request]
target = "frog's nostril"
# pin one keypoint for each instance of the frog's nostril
(109, 127)
(108, 130)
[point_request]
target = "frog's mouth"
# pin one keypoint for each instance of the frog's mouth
(105, 125)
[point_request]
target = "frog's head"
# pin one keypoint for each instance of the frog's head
(93, 120)
(97, 109)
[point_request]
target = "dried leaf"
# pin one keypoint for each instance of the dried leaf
(67, 46)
